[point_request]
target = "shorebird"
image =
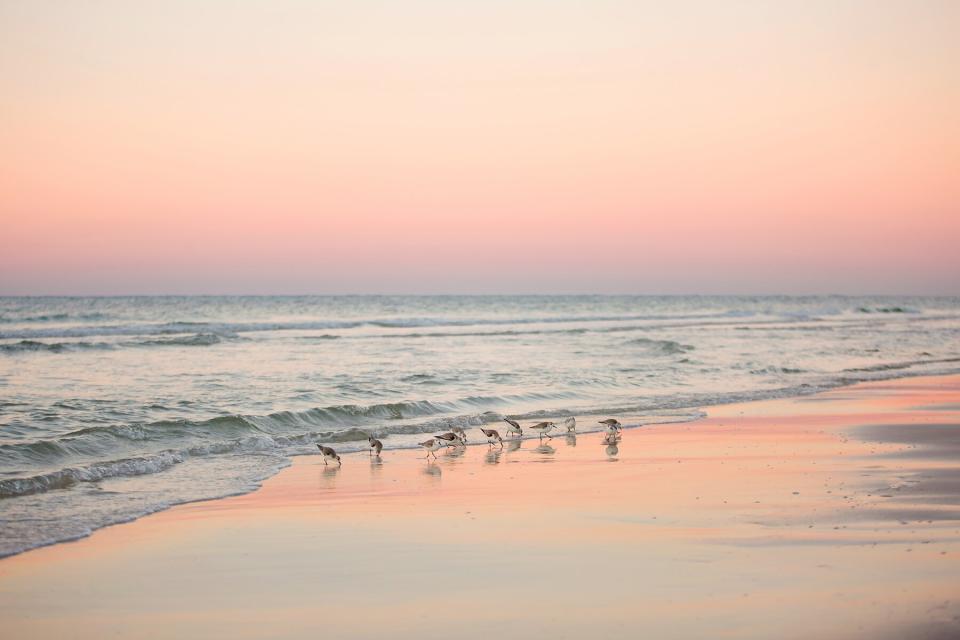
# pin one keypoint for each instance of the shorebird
(375, 445)
(514, 427)
(460, 433)
(431, 445)
(571, 424)
(543, 428)
(492, 436)
(328, 454)
(613, 426)
(449, 438)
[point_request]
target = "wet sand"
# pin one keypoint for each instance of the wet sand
(828, 516)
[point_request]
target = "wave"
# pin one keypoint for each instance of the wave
(776, 370)
(27, 346)
(182, 326)
(896, 366)
(891, 309)
(196, 340)
(662, 347)
(65, 478)
(52, 317)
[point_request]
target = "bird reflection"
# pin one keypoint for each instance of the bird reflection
(612, 451)
(514, 445)
(571, 440)
(432, 470)
(454, 452)
(376, 465)
(328, 476)
(545, 450)
(493, 456)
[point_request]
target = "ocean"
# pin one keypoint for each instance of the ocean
(116, 407)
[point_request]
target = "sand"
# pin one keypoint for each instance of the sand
(828, 516)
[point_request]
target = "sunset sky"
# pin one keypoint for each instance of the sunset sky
(443, 146)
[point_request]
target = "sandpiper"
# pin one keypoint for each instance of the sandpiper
(460, 434)
(375, 445)
(514, 427)
(571, 424)
(328, 454)
(543, 428)
(613, 426)
(492, 436)
(431, 445)
(449, 438)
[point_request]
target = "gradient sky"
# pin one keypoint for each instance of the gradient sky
(437, 146)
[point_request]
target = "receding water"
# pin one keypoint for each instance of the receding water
(111, 408)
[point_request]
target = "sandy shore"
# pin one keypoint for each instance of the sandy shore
(829, 516)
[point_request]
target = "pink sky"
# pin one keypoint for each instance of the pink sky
(479, 147)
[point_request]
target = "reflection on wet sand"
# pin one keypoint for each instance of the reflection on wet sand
(571, 440)
(453, 454)
(432, 470)
(546, 451)
(612, 451)
(493, 456)
(328, 476)
(514, 445)
(376, 465)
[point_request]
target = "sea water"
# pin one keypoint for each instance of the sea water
(115, 407)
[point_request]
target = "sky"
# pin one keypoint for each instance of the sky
(494, 146)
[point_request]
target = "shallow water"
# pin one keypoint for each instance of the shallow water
(111, 408)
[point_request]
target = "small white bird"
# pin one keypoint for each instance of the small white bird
(460, 433)
(571, 424)
(514, 427)
(543, 428)
(492, 436)
(613, 426)
(329, 455)
(375, 445)
(449, 439)
(431, 445)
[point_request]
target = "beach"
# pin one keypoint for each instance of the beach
(835, 515)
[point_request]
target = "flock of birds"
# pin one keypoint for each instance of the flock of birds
(458, 437)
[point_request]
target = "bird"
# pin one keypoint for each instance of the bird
(514, 427)
(375, 445)
(571, 424)
(431, 445)
(460, 433)
(449, 438)
(613, 426)
(492, 436)
(329, 454)
(544, 428)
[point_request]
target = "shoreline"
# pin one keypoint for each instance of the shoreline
(857, 478)
(635, 416)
